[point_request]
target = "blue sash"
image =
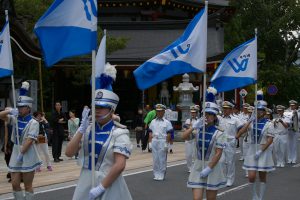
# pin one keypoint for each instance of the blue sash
(102, 134)
(209, 133)
(22, 123)
(260, 126)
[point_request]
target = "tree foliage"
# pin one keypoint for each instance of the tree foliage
(277, 22)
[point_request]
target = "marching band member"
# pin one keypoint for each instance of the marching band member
(190, 141)
(280, 141)
(292, 133)
(259, 156)
(243, 116)
(25, 158)
(160, 134)
(209, 177)
(230, 125)
(269, 114)
(112, 148)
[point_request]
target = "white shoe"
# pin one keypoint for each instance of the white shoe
(160, 178)
(241, 158)
(229, 183)
(278, 165)
(246, 175)
(293, 162)
(155, 178)
(282, 165)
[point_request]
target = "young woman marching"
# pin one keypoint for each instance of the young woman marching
(259, 156)
(209, 177)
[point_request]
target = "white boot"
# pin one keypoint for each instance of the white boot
(18, 195)
(29, 195)
(262, 188)
(254, 194)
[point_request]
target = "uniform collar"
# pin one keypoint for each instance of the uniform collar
(211, 128)
(159, 119)
(229, 116)
(106, 127)
(26, 118)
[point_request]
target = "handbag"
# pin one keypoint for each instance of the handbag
(41, 139)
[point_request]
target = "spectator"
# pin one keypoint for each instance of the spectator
(139, 127)
(58, 120)
(43, 138)
(73, 124)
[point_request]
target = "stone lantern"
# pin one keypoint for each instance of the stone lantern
(186, 90)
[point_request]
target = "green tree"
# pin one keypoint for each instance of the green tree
(278, 27)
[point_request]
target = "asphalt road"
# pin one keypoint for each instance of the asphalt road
(284, 183)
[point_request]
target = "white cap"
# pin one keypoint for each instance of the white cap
(106, 98)
(160, 107)
(262, 104)
(212, 108)
(24, 101)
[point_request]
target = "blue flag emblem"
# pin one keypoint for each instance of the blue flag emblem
(238, 69)
(87, 10)
(181, 51)
(239, 66)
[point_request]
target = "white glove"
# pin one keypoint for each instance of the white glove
(252, 117)
(13, 111)
(96, 192)
(84, 120)
(205, 172)
(20, 158)
(166, 146)
(257, 154)
(150, 145)
(199, 123)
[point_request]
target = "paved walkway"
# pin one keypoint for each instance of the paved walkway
(67, 171)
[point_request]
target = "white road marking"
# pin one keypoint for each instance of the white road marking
(74, 185)
(297, 165)
(144, 171)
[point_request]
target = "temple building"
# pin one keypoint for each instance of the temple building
(147, 26)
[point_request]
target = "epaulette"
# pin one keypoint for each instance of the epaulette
(118, 125)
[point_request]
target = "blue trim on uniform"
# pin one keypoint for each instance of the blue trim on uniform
(25, 168)
(172, 133)
(105, 129)
(256, 167)
(122, 149)
(207, 185)
(209, 132)
(22, 123)
(260, 126)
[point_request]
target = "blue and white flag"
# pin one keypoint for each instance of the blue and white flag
(238, 69)
(6, 61)
(186, 54)
(68, 28)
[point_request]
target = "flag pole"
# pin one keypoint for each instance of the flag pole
(93, 115)
(204, 99)
(41, 84)
(14, 94)
(203, 117)
(256, 103)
